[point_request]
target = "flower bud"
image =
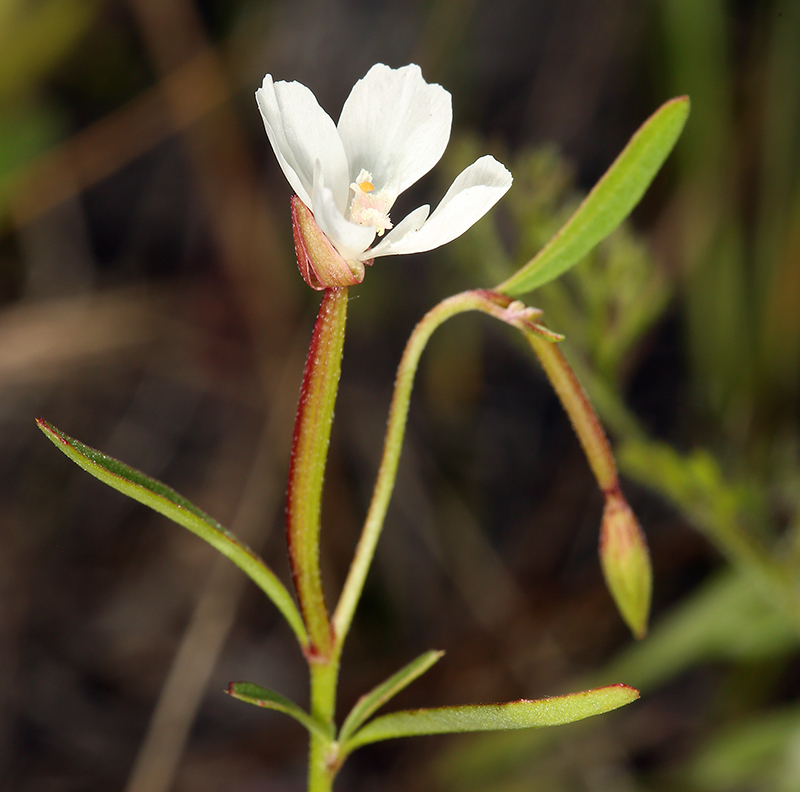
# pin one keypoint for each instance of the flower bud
(320, 264)
(626, 562)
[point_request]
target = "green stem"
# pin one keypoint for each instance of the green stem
(303, 505)
(322, 760)
(307, 467)
(501, 307)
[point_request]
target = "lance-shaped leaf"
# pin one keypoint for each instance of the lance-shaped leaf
(609, 203)
(166, 501)
(269, 699)
(377, 697)
(494, 717)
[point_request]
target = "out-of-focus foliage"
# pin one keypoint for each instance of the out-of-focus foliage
(34, 39)
(739, 207)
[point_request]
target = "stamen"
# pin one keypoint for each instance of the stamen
(370, 207)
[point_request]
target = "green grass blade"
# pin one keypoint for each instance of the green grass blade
(269, 699)
(377, 697)
(166, 501)
(609, 203)
(494, 717)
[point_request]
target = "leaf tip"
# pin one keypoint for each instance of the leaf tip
(633, 692)
(685, 101)
(682, 105)
(238, 690)
(682, 99)
(54, 434)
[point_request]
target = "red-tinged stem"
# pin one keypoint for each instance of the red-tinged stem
(312, 432)
(623, 548)
(580, 411)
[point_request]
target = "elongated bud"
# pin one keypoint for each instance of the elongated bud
(320, 264)
(626, 562)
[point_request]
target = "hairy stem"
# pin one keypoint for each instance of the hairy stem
(307, 467)
(322, 760)
(501, 307)
(580, 411)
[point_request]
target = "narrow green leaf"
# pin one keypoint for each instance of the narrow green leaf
(609, 203)
(494, 717)
(269, 699)
(158, 496)
(377, 697)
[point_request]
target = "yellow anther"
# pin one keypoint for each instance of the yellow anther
(366, 186)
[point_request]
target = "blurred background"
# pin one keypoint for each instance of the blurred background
(150, 306)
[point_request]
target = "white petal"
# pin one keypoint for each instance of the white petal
(395, 125)
(350, 239)
(302, 133)
(410, 224)
(474, 192)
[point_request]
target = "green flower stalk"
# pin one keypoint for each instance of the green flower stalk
(623, 548)
(498, 305)
(312, 431)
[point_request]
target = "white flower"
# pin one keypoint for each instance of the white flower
(393, 129)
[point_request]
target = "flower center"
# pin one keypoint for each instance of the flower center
(370, 207)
